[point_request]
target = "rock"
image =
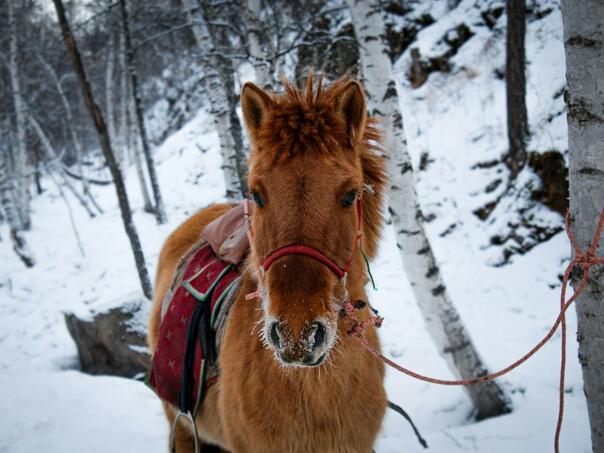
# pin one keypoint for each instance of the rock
(449, 45)
(551, 168)
(112, 340)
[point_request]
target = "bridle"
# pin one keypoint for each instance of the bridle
(299, 249)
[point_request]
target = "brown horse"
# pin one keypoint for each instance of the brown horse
(291, 379)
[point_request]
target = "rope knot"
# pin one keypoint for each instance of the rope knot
(587, 260)
(358, 327)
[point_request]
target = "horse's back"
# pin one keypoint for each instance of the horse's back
(177, 244)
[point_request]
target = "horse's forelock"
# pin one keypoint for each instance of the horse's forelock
(305, 120)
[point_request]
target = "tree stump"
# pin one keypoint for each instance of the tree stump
(112, 340)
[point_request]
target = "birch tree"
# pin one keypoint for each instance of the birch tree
(111, 91)
(584, 48)
(219, 31)
(125, 105)
(515, 83)
(128, 135)
(160, 211)
(442, 319)
(23, 169)
(219, 102)
(134, 145)
(264, 66)
(7, 203)
(103, 136)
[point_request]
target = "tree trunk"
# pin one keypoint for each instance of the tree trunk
(439, 313)
(160, 211)
(125, 101)
(110, 93)
(515, 82)
(129, 133)
(101, 128)
(584, 46)
(23, 169)
(219, 103)
(135, 149)
(12, 216)
(226, 70)
(263, 66)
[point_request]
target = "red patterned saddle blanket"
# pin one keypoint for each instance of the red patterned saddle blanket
(194, 313)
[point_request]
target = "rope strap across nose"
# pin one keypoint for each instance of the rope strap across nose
(305, 251)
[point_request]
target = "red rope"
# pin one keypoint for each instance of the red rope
(300, 249)
(584, 260)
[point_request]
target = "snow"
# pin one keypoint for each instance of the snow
(459, 120)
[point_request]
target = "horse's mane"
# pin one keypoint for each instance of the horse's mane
(305, 120)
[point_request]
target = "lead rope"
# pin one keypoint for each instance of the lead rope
(584, 260)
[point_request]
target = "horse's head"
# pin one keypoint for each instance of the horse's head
(310, 162)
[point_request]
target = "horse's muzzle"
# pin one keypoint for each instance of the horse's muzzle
(309, 350)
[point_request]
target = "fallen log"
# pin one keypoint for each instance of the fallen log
(112, 340)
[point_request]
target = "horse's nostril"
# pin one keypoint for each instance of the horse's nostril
(319, 335)
(274, 334)
(286, 356)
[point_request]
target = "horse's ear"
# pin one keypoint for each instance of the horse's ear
(254, 105)
(350, 106)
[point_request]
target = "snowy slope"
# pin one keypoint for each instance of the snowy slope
(459, 120)
(52, 405)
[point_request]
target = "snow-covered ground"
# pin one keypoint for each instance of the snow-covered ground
(459, 119)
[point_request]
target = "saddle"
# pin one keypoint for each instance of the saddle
(195, 310)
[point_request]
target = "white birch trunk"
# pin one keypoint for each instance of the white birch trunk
(7, 203)
(110, 95)
(129, 133)
(23, 169)
(135, 148)
(124, 125)
(219, 103)
(442, 319)
(159, 209)
(221, 39)
(584, 46)
(263, 67)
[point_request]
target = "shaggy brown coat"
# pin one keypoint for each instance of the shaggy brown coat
(309, 149)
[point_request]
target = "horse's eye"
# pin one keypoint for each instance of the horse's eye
(349, 199)
(258, 199)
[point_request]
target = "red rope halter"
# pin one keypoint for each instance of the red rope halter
(304, 250)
